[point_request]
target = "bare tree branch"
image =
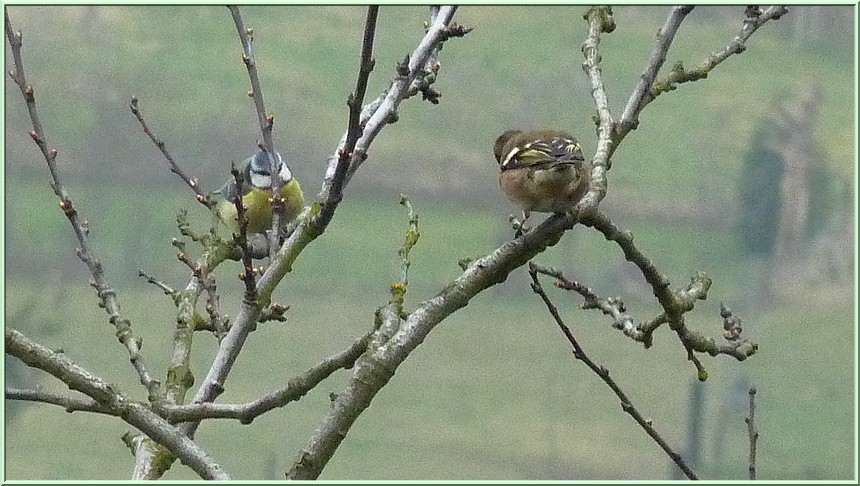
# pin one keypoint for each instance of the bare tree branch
(106, 294)
(603, 373)
(752, 21)
(203, 196)
(355, 124)
(369, 377)
(641, 95)
(106, 395)
(674, 303)
(753, 434)
(610, 306)
(246, 37)
(151, 459)
(648, 89)
(295, 389)
(307, 230)
(179, 376)
(168, 291)
(69, 403)
(659, 282)
(599, 21)
(383, 111)
(148, 457)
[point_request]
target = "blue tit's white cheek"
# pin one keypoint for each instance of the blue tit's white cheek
(261, 180)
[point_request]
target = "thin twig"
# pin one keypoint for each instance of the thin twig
(603, 373)
(203, 196)
(266, 121)
(248, 276)
(423, 83)
(106, 294)
(355, 101)
(641, 95)
(398, 289)
(383, 110)
(610, 306)
(753, 434)
(218, 322)
(170, 292)
(649, 88)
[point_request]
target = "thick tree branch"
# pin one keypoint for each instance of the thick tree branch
(603, 374)
(69, 403)
(295, 389)
(372, 375)
(151, 460)
(106, 294)
(375, 368)
(599, 21)
(114, 402)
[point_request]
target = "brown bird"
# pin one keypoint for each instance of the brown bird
(541, 170)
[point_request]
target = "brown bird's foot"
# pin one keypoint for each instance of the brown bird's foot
(519, 226)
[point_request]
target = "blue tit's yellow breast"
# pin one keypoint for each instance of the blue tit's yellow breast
(258, 210)
(295, 199)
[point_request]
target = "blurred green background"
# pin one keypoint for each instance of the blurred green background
(494, 392)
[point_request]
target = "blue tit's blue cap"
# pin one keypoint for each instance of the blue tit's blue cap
(258, 169)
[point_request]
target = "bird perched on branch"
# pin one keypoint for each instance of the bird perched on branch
(257, 194)
(541, 170)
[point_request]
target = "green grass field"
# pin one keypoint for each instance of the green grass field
(494, 392)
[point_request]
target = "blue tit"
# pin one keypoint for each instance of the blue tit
(541, 170)
(257, 195)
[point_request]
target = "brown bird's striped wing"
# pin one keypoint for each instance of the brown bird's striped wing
(543, 153)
